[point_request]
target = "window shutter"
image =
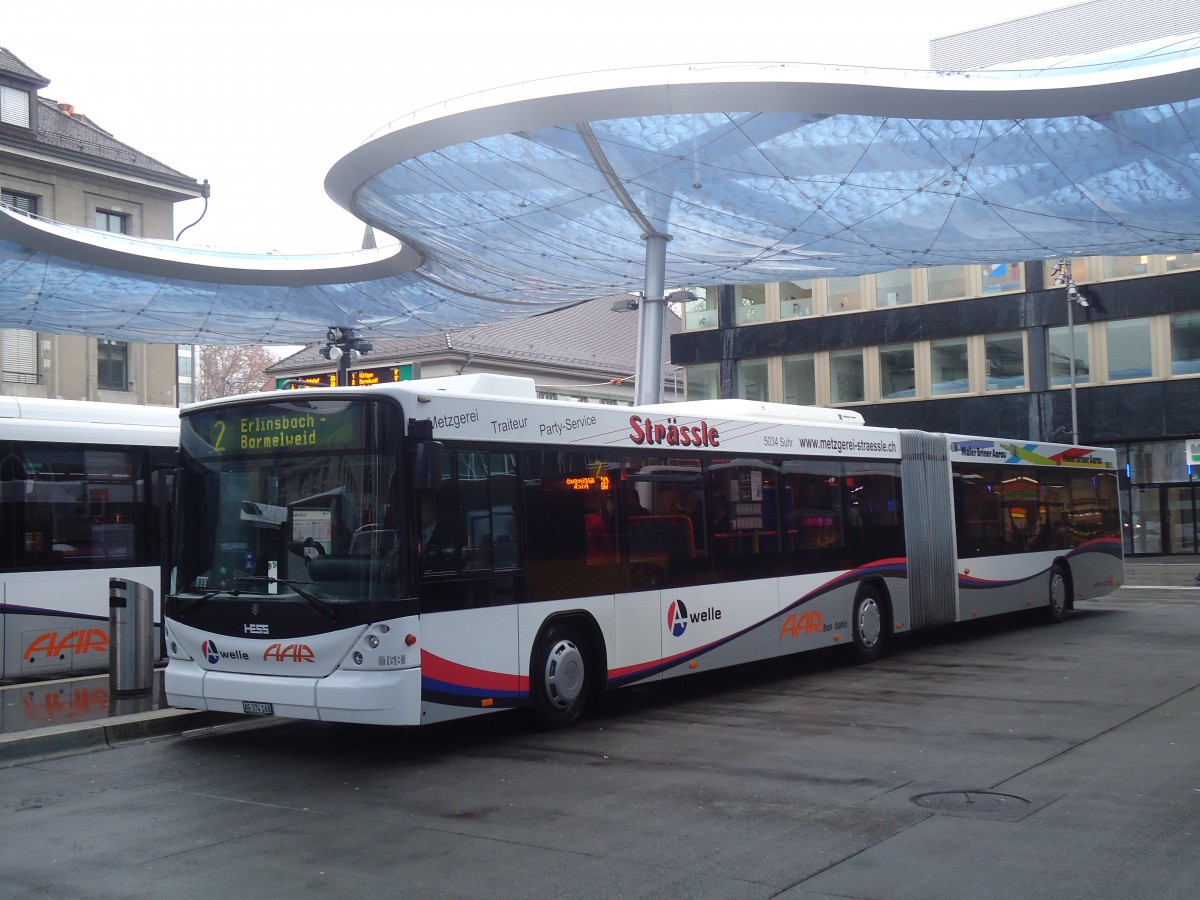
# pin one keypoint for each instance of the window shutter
(14, 106)
(20, 355)
(25, 203)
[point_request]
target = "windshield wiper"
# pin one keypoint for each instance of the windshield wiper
(187, 603)
(319, 605)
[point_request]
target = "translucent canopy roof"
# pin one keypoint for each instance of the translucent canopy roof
(523, 198)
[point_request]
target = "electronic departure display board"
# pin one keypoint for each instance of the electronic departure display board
(358, 377)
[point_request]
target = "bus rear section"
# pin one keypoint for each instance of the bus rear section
(1032, 525)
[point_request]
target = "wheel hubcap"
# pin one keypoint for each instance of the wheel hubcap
(868, 622)
(564, 674)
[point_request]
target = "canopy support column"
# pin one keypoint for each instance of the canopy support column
(652, 315)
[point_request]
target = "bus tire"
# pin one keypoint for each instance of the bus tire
(1060, 594)
(866, 625)
(559, 675)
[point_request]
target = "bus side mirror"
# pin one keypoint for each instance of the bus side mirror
(427, 466)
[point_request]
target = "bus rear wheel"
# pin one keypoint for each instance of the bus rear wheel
(1060, 592)
(866, 642)
(560, 679)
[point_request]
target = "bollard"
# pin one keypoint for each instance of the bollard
(130, 637)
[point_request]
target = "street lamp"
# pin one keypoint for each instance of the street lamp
(1062, 276)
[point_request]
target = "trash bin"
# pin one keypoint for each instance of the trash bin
(130, 636)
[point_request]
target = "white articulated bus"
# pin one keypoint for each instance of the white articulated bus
(416, 552)
(84, 497)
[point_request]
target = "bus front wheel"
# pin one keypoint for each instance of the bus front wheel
(866, 641)
(560, 676)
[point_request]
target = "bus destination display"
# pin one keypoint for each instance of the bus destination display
(273, 427)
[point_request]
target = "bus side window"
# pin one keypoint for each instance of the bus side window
(440, 514)
(813, 521)
(469, 523)
(745, 518)
(560, 487)
(875, 525)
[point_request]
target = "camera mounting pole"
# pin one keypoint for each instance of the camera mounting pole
(344, 346)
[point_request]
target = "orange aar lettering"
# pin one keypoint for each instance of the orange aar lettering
(809, 622)
(289, 653)
(80, 641)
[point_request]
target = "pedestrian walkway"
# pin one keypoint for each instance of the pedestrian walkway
(1163, 572)
(66, 715)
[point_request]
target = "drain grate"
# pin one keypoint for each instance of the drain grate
(986, 804)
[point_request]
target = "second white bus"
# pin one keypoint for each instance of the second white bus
(84, 498)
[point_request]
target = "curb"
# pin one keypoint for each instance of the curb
(101, 734)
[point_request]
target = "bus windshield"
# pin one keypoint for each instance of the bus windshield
(297, 496)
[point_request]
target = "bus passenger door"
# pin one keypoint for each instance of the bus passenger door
(637, 651)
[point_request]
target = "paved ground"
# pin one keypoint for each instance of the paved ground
(1002, 759)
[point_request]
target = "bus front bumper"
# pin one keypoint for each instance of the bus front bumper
(390, 697)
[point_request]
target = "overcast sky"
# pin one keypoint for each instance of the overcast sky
(263, 97)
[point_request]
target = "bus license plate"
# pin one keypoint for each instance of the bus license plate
(251, 708)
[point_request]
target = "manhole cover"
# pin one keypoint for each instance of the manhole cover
(978, 803)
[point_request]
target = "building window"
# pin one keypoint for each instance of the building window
(1128, 349)
(1058, 355)
(701, 312)
(703, 382)
(845, 293)
(751, 306)
(796, 299)
(893, 288)
(846, 376)
(897, 372)
(1001, 277)
(20, 356)
(1005, 360)
(800, 380)
(112, 365)
(1083, 269)
(1123, 266)
(1185, 344)
(1177, 262)
(752, 379)
(26, 203)
(947, 282)
(948, 359)
(14, 106)
(117, 223)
